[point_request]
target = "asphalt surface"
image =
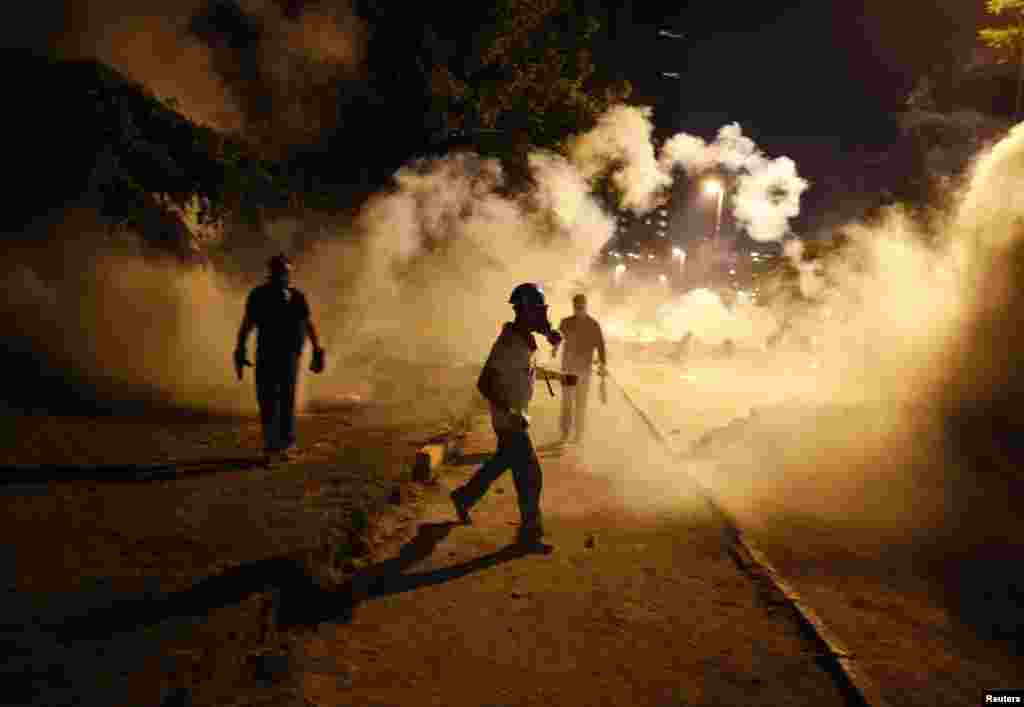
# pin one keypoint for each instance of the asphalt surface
(640, 602)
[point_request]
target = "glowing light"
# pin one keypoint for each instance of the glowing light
(663, 278)
(619, 269)
(712, 187)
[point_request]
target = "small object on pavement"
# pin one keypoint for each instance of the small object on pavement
(588, 542)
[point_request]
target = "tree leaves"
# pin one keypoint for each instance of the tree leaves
(1009, 39)
(534, 74)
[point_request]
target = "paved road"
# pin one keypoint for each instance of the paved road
(852, 503)
(653, 613)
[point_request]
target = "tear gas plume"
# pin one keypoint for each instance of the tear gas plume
(151, 44)
(621, 143)
(767, 191)
(884, 415)
(281, 83)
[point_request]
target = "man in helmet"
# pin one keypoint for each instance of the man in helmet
(582, 337)
(281, 315)
(507, 383)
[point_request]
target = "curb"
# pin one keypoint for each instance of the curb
(861, 689)
(430, 457)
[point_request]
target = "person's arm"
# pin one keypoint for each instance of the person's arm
(311, 331)
(243, 332)
(307, 317)
(489, 386)
(248, 323)
(601, 354)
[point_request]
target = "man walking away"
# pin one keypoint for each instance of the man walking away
(281, 315)
(507, 383)
(582, 336)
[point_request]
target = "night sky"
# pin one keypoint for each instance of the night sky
(802, 70)
(814, 80)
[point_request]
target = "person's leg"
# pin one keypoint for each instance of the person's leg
(529, 481)
(474, 489)
(568, 398)
(582, 396)
(289, 381)
(266, 396)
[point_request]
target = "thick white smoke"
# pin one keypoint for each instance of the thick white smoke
(621, 142)
(293, 62)
(768, 191)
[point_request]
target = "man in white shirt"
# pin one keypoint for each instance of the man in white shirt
(507, 383)
(582, 337)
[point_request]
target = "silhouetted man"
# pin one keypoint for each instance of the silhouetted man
(281, 315)
(507, 383)
(582, 337)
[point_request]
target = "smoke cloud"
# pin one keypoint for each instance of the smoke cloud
(767, 193)
(767, 190)
(246, 68)
(621, 143)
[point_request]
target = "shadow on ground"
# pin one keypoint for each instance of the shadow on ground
(299, 600)
(113, 473)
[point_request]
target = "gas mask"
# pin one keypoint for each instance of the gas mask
(550, 333)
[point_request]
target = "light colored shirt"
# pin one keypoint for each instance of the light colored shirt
(582, 335)
(512, 359)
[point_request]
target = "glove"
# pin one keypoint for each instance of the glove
(317, 364)
(241, 361)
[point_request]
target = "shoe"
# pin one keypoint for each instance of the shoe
(275, 456)
(534, 545)
(461, 508)
(527, 535)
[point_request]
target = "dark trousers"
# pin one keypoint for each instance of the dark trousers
(275, 391)
(515, 451)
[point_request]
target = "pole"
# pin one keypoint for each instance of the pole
(1020, 82)
(718, 213)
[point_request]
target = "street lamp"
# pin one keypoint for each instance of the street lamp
(713, 187)
(681, 255)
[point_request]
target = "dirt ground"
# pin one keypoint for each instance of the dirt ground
(630, 608)
(117, 591)
(132, 593)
